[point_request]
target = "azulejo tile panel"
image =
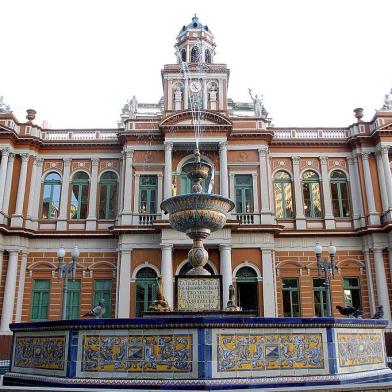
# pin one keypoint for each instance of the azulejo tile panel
(40, 352)
(360, 349)
(137, 353)
(269, 352)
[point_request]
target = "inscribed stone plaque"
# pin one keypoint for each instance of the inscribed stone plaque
(197, 293)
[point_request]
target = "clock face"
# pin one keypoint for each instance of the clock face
(195, 86)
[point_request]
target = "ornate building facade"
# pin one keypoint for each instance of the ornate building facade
(101, 189)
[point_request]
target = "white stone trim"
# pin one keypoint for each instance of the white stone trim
(145, 264)
(209, 262)
(247, 264)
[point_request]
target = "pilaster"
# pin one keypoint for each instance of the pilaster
(354, 192)
(328, 214)
(126, 215)
(7, 189)
(167, 273)
(17, 218)
(9, 292)
(63, 218)
(269, 283)
(374, 218)
(124, 285)
(21, 286)
(35, 192)
(5, 152)
(226, 271)
(266, 213)
(223, 169)
(91, 222)
(381, 282)
(300, 221)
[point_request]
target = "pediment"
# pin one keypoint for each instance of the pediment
(187, 119)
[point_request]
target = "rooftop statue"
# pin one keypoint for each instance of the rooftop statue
(387, 102)
(132, 107)
(258, 104)
(4, 108)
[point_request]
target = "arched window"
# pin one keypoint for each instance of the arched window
(207, 56)
(78, 208)
(146, 289)
(195, 54)
(186, 184)
(283, 194)
(311, 194)
(188, 266)
(247, 292)
(108, 187)
(339, 193)
(51, 196)
(183, 55)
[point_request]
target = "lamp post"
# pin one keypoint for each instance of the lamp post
(328, 268)
(64, 271)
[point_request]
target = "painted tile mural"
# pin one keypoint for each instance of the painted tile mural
(360, 349)
(137, 353)
(40, 352)
(275, 351)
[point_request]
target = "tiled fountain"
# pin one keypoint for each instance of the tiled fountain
(199, 345)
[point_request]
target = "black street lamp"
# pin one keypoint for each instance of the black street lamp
(327, 268)
(64, 271)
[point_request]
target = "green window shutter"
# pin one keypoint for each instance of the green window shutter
(103, 289)
(148, 191)
(40, 300)
(73, 300)
(243, 189)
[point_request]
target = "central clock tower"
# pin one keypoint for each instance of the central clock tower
(195, 81)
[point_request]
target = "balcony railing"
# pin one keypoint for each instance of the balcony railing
(246, 219)
(67, 134)
(331, 133)
(146, 219)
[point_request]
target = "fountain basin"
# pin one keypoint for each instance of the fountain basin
(197, 212)
(207, 352)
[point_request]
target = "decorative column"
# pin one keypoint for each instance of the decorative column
(381, 283)
(381, 180)
(167, 273)
(359, 190)
(369, 279)
(269, 283)
(224, 179)
(167, 180)
(63, 215)
(9, 292)
(355, 192)
(35, 192)
(374, 219)
(124, 285)
(17, 218)
(91, 222)
(186, 92)
(21, 286)
(328, 215)
(300, 221)
(226, 271)
(31, 194)
(387, 176)
(5, 152)
(7, 189)
(1, 261)
(266, 216)
(126, 215)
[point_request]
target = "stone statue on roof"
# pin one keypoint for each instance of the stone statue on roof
(4, 108)
(132, 107)
(258, 104)
(387, 102)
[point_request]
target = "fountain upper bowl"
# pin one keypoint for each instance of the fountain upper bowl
(197, 212)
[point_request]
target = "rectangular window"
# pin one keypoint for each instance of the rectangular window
(291, 304)
(73, 300)
(352, 292)
(40, 299)
(243, 188)
(103, 289)
(319, 297)
(148, 192)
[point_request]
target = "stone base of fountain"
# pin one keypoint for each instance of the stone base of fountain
(198, 353)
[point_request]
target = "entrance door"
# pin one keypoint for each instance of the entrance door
(247, 289)
(146, 289)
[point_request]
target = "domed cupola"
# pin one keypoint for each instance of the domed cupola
(195, 43)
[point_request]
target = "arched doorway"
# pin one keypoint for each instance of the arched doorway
(247, 291)
(146, 289)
